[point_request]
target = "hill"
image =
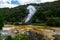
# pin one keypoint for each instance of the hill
(46, 14)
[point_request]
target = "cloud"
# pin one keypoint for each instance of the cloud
(48, 1)
(33, 1)
(9, 3)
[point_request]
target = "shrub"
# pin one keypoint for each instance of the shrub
(9, 38)
(17, 37)
(53, 22)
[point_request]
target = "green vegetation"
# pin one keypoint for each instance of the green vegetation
(53, 21)
(17, 37)
(9, 38)
(46, 14)
(1, 19)
(0, 37)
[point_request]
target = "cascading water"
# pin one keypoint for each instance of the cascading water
(32, 11)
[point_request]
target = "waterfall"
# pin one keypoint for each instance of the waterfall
(32, 11)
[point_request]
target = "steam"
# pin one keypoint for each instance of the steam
(32, 11)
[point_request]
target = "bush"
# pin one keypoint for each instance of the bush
(9, 38)
(17, 37)
(53, 22)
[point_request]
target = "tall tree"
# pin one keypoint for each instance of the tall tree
(1, 19)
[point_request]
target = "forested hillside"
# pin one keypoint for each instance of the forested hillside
(1, 19)
(46, 14)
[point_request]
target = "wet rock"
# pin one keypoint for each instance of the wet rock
(35, 36)
(57, 37)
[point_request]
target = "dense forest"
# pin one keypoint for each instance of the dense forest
(1, 19)
(46, 14)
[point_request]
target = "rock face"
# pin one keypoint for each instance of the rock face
(41, 36)
(57, 37)
(36, 36)
(34, 32)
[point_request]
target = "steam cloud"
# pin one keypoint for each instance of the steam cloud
(32, 11)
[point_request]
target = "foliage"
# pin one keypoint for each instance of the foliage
(53, 22)
(9, 38)
(17, 37)
(1, 19)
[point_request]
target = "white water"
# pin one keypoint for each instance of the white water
(32, 11)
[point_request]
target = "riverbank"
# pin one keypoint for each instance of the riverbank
(47, 31)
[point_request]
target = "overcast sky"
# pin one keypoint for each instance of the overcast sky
(14, 3)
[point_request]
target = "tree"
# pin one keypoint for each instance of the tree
(1, 19)
(53, 22)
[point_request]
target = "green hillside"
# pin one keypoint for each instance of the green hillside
(46, 14)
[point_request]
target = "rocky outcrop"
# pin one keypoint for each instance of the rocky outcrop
(57, 37)
(39, 36)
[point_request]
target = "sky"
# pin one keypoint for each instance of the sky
(14, 3)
